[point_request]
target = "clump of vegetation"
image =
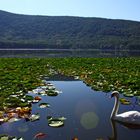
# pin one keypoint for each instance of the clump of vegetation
(106, 74)
(18, 76)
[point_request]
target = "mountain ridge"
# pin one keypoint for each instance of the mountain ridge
(29, 31)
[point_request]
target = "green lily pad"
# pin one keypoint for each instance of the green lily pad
(128, 95)
(56, 122)
(44, 105)
(13, 120)
(7, 137)
(4, 137)
(20, 138)
(28, 97)
(124, 101)
(34, 117)
(52, 93)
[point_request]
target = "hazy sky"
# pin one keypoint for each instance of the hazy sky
(116, 9)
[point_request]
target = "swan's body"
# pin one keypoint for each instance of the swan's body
(130, 117)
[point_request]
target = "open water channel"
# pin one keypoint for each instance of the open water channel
(87, 114)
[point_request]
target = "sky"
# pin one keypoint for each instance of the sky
(114, 9)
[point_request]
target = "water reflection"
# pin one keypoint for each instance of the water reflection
(114, 129)
(27, 53)
(87, 112)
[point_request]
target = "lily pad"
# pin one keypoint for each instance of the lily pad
(51, 88)
(40, 135)
(44, 105)
(13, 120)
(56, 122)
(124, 101)
(7, 137)
(38, 98)
(28, 97)
(52, 93)
(35, 101)
(128, 95)
(4, 137)
(34, 117)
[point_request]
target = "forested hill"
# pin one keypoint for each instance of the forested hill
(67, 32)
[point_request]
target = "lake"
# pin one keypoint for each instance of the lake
(27, 53)
(87, 114)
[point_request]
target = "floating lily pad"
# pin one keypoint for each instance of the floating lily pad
(13, 120)
(124, 101)
(44, 105)
(38, 98)
(35, 101)
(7, 137)
(28, 97)
(52, 93)
(20, 138)
(40, 135)
(51, 87)
(4, 137)
(56, 122)
(128, 95)
(34, 117)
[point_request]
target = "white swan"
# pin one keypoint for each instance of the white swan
(130, 117)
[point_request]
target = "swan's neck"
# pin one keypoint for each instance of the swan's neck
(115, 108)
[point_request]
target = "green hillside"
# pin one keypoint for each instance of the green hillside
(67, 32)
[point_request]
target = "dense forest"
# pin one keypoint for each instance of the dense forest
(27, 31)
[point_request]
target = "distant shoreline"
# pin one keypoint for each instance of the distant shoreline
(25, 49)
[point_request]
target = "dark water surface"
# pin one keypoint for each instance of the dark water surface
(66, 53)
(87, 112)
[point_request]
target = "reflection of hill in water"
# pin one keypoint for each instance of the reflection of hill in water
(60, 77)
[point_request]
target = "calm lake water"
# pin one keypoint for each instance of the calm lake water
(87, 112)
(66, 53)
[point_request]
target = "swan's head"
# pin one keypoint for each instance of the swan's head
(115, 94)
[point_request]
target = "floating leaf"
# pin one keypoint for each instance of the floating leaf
(1, 113)
(51, 87)
(35, 101)
(13, 120)
(52, 93)
(7, 137)
(20, 138)
(34, 117)
(40, 135)
(128, 95)
(57, 91)
(38, 98)
(23, 110)
(28, 97)
(4, 137)
(56, 122)
(124, 101)
(44, 105)
(62, 118)
(1, 120)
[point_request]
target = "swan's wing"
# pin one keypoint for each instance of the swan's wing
(130, 117)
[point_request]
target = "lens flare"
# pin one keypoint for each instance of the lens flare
(89, 120)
